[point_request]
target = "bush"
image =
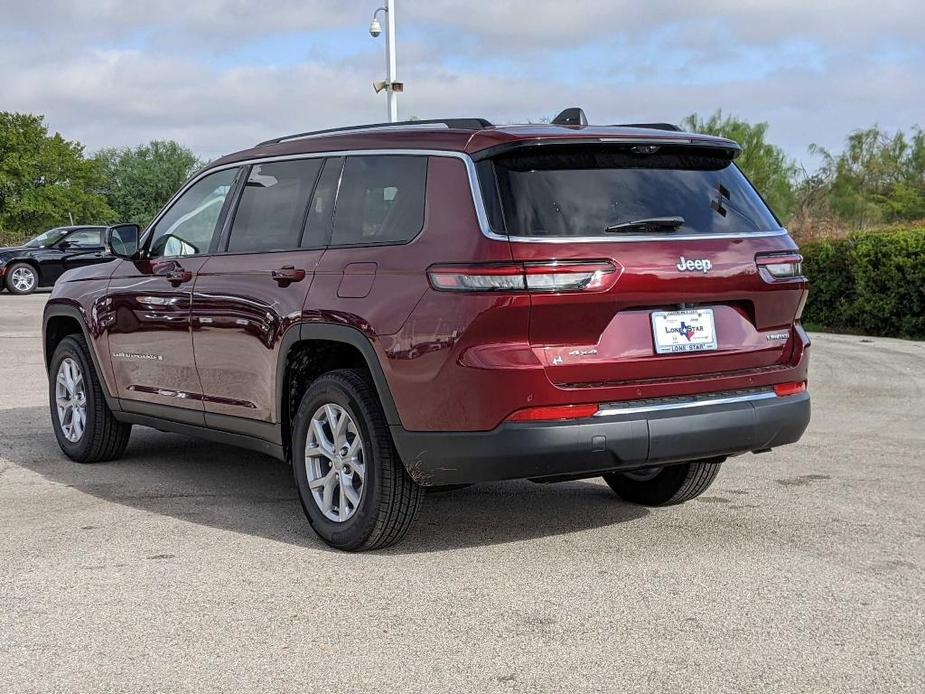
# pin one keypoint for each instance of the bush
(872, 282)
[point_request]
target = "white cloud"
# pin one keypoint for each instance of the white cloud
(101, 94)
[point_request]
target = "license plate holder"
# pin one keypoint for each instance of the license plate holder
(677, 332)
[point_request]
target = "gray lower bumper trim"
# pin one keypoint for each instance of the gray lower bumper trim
(624, 440)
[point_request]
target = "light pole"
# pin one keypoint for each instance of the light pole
(391, 85)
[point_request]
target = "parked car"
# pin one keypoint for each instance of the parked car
(438, 303)
(42, 260)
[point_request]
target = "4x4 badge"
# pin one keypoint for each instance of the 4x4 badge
(700, 264)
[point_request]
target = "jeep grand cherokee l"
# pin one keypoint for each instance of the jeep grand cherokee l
(404, 306)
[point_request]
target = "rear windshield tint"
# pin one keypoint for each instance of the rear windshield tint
(581, 191)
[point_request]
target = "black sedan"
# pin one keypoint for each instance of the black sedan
(41, 261)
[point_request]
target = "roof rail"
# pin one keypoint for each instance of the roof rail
(651, 126)
(454, 123)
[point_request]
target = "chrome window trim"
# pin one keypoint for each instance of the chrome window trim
(703, 401)
(474, 189)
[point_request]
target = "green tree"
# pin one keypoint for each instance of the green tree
(766, 165)
(45, 181)
(140, 180)
(878, 177)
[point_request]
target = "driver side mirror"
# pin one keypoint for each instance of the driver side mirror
(122, 240)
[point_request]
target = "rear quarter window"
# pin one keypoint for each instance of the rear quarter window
(583, 190)
(380, 200)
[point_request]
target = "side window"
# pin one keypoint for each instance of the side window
(272, 207)
(86, 238)
(321, 212)
(188, 226)
(381, 200)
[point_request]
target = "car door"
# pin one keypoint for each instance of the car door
(251, 293)
(84, 247)
(148, 321)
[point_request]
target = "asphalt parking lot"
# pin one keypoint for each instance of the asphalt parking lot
(189, 567)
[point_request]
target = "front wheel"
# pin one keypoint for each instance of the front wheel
(22, 278)
(84, 425)
(665, 486)
(353, 487)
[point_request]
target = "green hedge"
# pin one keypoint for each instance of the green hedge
(872, 282)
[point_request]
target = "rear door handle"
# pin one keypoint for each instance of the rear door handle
(288, 274)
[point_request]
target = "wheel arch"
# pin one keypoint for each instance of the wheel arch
(361, 354)
(61, 320)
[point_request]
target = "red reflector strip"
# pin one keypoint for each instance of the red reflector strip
(784, 389)
(554, 413)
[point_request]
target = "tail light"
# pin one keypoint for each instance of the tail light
(782, 390)
(780, 267)
(542, 276)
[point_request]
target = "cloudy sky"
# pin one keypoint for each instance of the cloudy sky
(220, 75)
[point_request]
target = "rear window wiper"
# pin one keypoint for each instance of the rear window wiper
(647, 224)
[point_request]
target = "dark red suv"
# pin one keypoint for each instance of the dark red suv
(437, 303)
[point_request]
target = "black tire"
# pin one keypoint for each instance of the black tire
(674, 484)
(21, 267)
(104, 437)
(390, 498)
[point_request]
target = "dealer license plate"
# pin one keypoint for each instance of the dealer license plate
(684, 331)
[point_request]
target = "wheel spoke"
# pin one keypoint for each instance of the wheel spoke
(334, 419)
(339, 431)
(353, 496)
(321, 438)
(71, 378)
(316, 450)
(65, 375)
(321, 481)
(327, 500)
(342, 509)
(78, 426)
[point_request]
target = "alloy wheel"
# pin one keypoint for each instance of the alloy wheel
(334, 462)
(23, 279)
(71, 400)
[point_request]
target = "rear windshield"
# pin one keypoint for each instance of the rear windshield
(584, 190)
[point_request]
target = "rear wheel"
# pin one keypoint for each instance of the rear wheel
(84, 425)
(665, 486)
(22, 278)
(353, 487)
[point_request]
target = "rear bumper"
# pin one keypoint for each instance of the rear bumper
(624, 438)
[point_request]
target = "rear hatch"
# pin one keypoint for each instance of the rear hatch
(689, 274)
